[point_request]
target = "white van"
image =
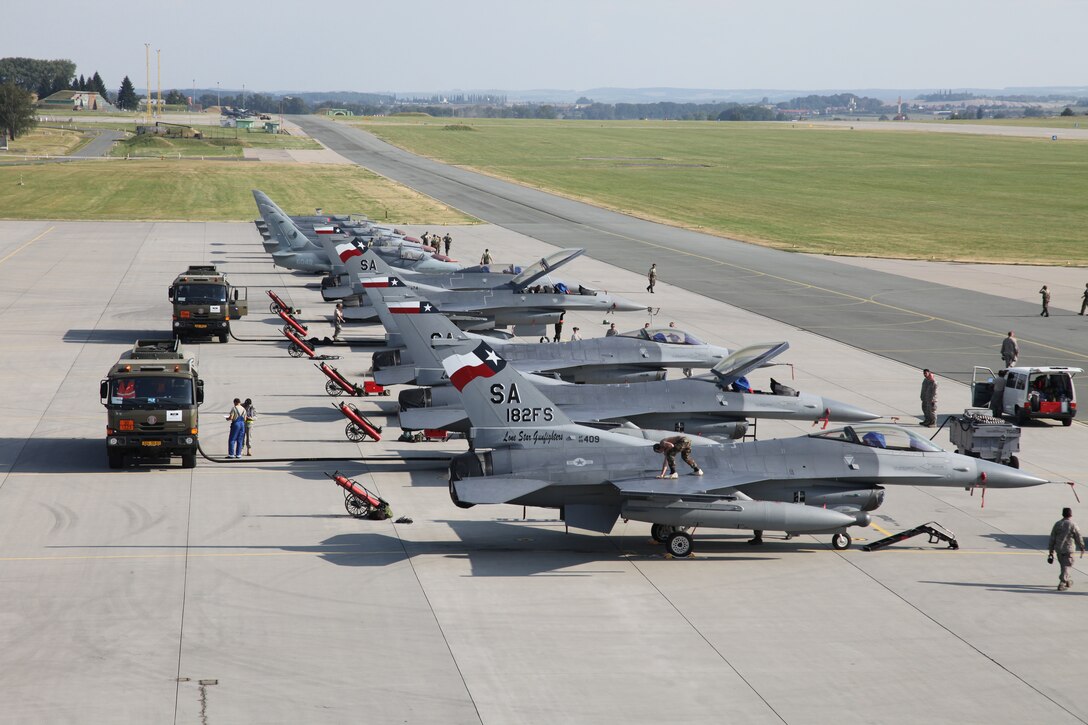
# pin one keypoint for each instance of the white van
(1027, 393)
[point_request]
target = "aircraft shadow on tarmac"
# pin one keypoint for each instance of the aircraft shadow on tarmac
(1011, 588)
(504, 549)
(1033, 542)
(113, 337)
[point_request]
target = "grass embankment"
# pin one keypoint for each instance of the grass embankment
(216, 141)
(191, 190)
(42, 141)
(914, 195)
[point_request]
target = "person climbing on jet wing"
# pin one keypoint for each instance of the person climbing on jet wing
(670, 447)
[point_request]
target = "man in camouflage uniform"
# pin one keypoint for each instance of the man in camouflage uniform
(929, 399)
(670, 447)
(1064, 538)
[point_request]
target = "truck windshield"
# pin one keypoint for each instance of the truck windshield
(200, 294)
(151, 391)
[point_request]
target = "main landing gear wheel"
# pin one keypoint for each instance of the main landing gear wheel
(354, 433)
(294, 350)
(356, 507)
(679, 544)
(840, 542)
(333, 389)
(660, 533)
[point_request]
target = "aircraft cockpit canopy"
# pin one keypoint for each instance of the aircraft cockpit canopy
(664, 334)
(880, 436)
(410, 254)
(542, 266)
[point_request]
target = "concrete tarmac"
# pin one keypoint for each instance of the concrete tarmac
(242, 592)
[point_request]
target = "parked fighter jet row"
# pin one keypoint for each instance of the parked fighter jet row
(573, 425)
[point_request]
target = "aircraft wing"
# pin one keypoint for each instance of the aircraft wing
(496, 489)
(686, 485)
(398, 375)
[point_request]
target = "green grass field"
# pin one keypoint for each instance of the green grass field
(812, 189)
(43, 141)
(192, 190)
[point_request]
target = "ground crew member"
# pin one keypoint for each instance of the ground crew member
(447, 241)
(423, 237)
(338, 320)
(486, 258)
(1046, 301)
(929, 399)
(651, 277)
(670, 447)
(251, 416)
(237, 418)
(1064, 537)
(1084, 299)
(612, 331)
(559, 327)
(1010, 350)
(575, 335)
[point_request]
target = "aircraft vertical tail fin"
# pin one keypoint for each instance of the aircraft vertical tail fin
(495, 394)
(507, 410)
(280, 226)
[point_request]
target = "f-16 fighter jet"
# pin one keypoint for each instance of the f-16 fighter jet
(614, 359)
(530, 312)
(528, 452)
(292, 247)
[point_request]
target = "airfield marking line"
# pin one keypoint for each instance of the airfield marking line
(874, 526)
(24, 246)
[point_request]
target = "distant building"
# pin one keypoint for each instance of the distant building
(75, 101)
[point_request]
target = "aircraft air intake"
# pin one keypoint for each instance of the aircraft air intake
(414, 398)
(386, 359)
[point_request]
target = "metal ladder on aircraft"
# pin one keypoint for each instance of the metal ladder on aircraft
(935, 531)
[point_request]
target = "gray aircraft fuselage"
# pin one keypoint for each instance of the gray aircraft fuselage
(818, 470)
(696, 405)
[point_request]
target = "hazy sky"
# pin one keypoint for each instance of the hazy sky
(426, 45)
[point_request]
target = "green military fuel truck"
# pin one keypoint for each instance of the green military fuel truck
(151, 396)
(205, 303)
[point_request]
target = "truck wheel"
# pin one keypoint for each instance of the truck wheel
(1014, 462)
(116, 459)
(1019, 415)
(188, 459)
(1067, 421)
(224, 336)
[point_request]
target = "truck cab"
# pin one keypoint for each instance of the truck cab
(205, 302)
(1027, 393)
(152, 395)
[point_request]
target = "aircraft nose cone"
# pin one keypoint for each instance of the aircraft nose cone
(1001, 476)
(847, 413)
